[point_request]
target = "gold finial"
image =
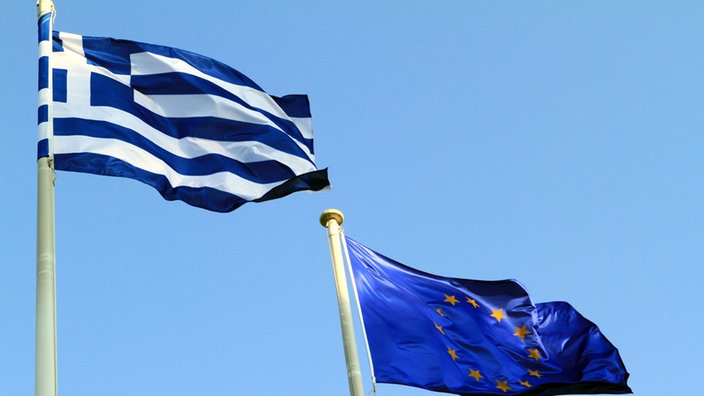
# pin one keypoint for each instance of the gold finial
(331, 214)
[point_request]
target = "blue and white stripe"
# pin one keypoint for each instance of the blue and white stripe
(44, 118)
(192, 127)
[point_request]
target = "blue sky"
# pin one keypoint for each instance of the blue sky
(557, 143)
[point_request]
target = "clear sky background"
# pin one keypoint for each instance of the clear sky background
(555, 142)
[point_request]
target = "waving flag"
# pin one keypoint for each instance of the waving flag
(477, 337)
(191, 127)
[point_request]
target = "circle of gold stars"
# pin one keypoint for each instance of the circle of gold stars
(497, 313)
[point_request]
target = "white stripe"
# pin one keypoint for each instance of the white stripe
(187, 147)
(147, 63)
(72, 42)
(184, 106)
(44, 96)
(305, 125)
(45, 47)
(43, 131)
(223, 181)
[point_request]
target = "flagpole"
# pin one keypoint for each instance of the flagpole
(332, 219)
(359, 307)
(45, 376)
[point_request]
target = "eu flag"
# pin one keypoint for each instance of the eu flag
(477, 337)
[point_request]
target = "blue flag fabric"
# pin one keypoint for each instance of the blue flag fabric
(191, 127)
(477, 337)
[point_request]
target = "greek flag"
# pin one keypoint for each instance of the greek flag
(189, 126)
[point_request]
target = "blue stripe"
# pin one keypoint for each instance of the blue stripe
(44, 26)
(58, 85)
(57, 43)
(114, 55)
(309, 144)
(42, 148)
(42, 114)
(184, 84)
(207, 198)
(294, 105)
(297, 106)
(43, 72)
(44, 34)
(108, 92)
(177, 83)
(270, 171)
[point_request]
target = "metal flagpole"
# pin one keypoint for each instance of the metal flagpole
(45, 377)
(332, 219)
(359, 307)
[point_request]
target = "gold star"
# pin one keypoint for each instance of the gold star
(503, 385)
(498, 314)
(439, 310)
(453, 353)
(451, 299)
(525, 383)
(437, 326)
(473, 302)
(533, 353)
(534, 373)
(521, 332)
(475, 374)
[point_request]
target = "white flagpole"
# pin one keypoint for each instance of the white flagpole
(45, 377)
(332, 219)
(359, 308)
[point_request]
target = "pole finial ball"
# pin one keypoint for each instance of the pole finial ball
(331, 214)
